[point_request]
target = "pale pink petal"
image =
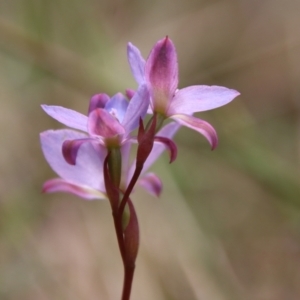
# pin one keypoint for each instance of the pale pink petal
(130, 93)
(151, 183)
(161, 72)
(200, 98)
(136, 62)
(88, 170)
(102, 123)
(68, 117)
(61, 185)
(137, 108)
(199, 125)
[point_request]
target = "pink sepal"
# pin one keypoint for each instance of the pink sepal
(169, 144)
(199, 125)
(68, 117)
(161, 73)
(136, 62)
(200, 98)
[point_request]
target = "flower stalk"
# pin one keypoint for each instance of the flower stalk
(127, 232)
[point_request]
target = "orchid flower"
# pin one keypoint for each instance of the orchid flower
(93, 161)
(160, 73)
(109, 123)
(85, 178)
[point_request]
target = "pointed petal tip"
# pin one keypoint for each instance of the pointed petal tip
(171, 146)
(46, 108)
(130, 46)
(161, 73)
(214, 145)
(214, 141)
(235, 93)
(66, 116)
(166, 39)
(136, 62)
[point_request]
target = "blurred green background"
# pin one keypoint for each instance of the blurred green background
(227, 225)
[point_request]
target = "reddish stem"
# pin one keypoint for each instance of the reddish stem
(128, 277)
(128, 267)
(135, 177)
(145, 140)
(119, 233)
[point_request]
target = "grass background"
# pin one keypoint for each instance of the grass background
(227, 224)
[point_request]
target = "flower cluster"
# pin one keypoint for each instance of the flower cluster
(93, 162)
(77, 157)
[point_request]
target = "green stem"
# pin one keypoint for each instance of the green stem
(128, 267)
(119, 233)
(115, 166)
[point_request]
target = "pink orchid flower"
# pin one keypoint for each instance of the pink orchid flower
(85, 179)
(160, 73)
(109, 123)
